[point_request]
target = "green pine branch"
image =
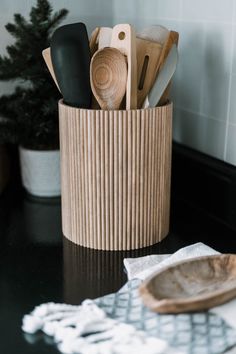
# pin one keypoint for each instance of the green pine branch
(31, 111)
(55, 19)
(41, 13)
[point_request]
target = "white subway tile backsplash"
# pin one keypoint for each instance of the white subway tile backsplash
(131, 8)
(231, 145)
(204, 64)
(214, 97)
(234, 12)
(189, 71)
(161, 9)
(232, 110)
(191, 37)
(207, 10)
(217, 49)
(169, 9)
(88, 8)
(234, 49)
(189, 87)
(188, 128)
(200, 133)
(144, 13)
(214, 137)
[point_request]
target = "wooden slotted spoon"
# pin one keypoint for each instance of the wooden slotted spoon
(108, 75)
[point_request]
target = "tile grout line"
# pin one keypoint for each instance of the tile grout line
(200, 115)
(230, 85)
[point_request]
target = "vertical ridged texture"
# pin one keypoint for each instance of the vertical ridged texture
(115, 176)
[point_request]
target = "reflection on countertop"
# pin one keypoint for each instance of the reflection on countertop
(38, 265)
(92, 273)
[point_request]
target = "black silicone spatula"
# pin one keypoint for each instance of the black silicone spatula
(71, 63)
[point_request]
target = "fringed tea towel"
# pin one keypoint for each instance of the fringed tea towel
(119, 323)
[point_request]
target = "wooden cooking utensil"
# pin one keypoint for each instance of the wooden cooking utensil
(124, 39)
(172, 38)
(47, 58)
(193, 285)
(163, 79)
(108, 73)
(70, 54)
(156, 33)
(93, 41)
(148, 54)
(93, 44)
(104, 39)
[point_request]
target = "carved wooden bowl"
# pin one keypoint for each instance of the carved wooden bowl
(192, 285)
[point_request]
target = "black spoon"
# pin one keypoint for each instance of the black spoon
(71, 63)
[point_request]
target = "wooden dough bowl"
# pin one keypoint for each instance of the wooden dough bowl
(192, 285)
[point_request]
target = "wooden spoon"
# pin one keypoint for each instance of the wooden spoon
(108, 75)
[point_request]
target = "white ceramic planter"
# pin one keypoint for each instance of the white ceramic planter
(40, 172)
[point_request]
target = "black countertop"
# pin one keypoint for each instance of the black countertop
(38, 265)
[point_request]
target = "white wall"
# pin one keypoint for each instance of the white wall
(204, 90)
(205, 82)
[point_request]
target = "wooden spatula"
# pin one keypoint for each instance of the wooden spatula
(47, 58)
(149, 45)
(164, 76)
(148, 55)
(172, 39)
(124, 39)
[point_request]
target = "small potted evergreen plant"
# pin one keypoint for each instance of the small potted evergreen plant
(28, 116)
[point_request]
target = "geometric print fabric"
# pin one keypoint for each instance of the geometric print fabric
(192, 333)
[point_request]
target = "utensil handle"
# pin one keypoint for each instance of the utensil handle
(173, 38)
(124, 39)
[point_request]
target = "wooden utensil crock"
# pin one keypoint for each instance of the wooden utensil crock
(115, 176)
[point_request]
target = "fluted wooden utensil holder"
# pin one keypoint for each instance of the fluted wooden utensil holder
(115, 176)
